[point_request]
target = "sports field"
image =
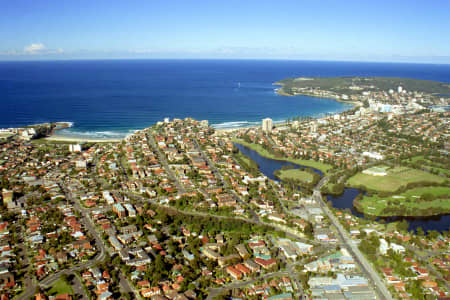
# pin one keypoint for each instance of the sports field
(409, 203)
(396, 178)
(296, 174)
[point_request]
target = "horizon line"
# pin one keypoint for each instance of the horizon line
(223, 59)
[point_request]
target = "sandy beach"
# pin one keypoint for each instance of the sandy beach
(59, 138)
(228, 130)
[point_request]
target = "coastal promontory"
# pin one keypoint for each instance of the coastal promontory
(349, 88)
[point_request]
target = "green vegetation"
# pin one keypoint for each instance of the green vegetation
(5, 134)
(44, 141)
(295, 174)
(332, 188)
(246, 162)
(436, 165)
(61, 287)
(423, 201)
(245, 158)
(263, 152)
(395, 179)
(293, 178)
(342, 84)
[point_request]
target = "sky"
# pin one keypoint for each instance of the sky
(375, 30)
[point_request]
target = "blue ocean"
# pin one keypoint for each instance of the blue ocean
(112, 98)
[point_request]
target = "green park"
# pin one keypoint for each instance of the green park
(304, 162)
(421, 201)
(395, 179)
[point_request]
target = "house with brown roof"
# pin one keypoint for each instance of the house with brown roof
(233, 272)
(266, 263)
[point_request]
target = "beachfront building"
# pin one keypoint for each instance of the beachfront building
(75, 148)
(267, 125)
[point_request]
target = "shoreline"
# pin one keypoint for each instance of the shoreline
(281, 92)
(228, 130)
(417, 217)
(68, 138)
(60, 138)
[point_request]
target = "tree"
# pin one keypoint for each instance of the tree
(366, 103)
(403, 225)
(419, 231)
(309, 230)
(160, 265)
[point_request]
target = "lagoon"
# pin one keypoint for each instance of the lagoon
(345, 201)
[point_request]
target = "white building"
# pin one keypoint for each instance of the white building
(75, 148)
(267, 125)
(373, 155)
(130, 209)
(384, 247)
(80, 164)
(107, 196)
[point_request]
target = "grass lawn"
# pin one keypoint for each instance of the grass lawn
(45, 141)
(5, 135)
(330, 186)
(440, 167)
(245, 159)
(374, 205)
(304, 162)
(296, 174)
(442, 171)
(416, 158)
(61, 287)
(395, 178)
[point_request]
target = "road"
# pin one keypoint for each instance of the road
(78, 289)
(163, 160)
(366, 267)
(290, 271)
(90, 227)
(218, 175)
(202, 214)
(429, 267)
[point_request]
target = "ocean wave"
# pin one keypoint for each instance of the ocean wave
(67, 123)
(94, 134)
(235, 124)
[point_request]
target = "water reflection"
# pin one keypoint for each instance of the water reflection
(345, 201)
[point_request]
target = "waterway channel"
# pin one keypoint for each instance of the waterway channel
(267, 166)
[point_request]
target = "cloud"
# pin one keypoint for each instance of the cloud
(39, 48)
(34, 48)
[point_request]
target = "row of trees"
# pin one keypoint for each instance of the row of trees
(248, 164)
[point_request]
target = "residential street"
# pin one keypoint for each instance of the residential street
(366, 267)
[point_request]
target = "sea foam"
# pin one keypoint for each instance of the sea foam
(94, 134)
(235, 124)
